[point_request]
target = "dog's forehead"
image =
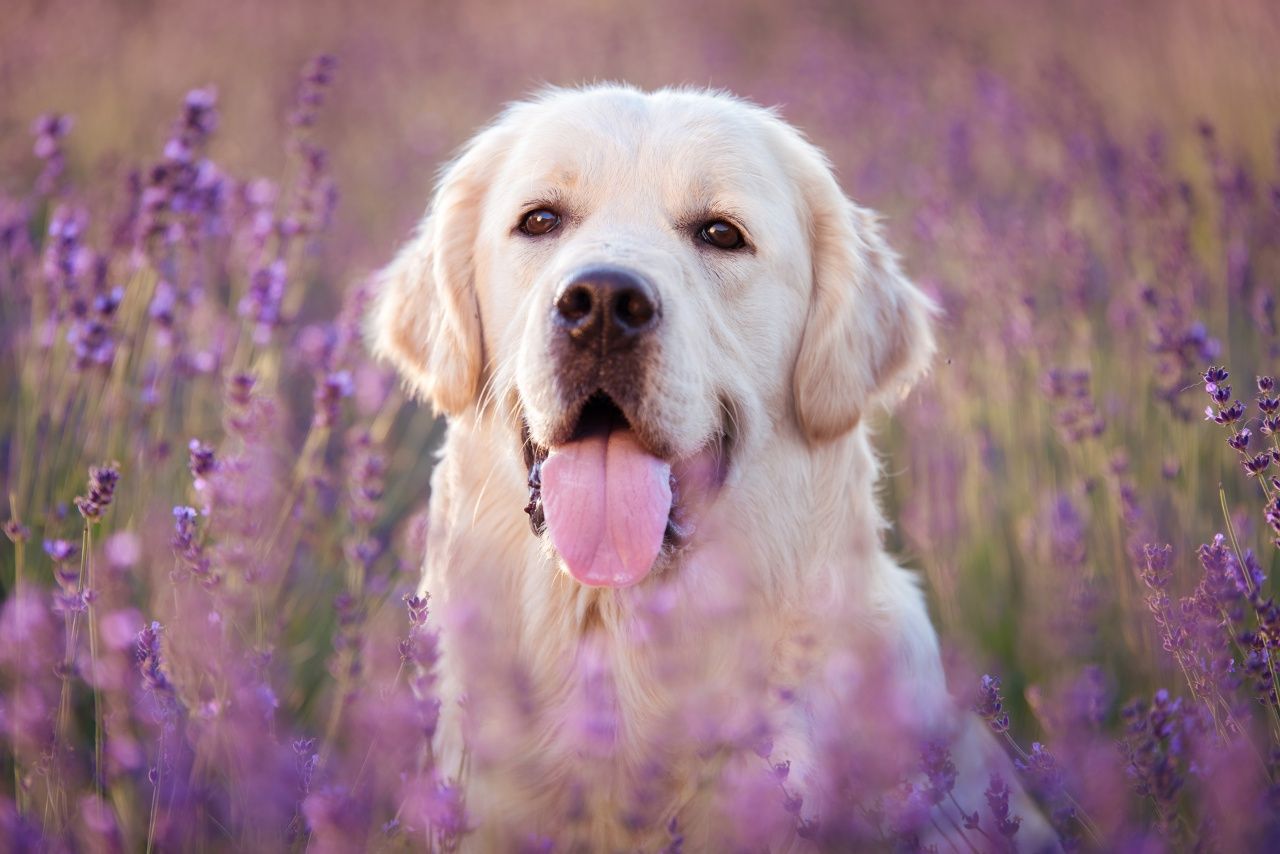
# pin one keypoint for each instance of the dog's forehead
(681, 145)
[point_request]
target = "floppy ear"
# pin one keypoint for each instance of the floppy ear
(426, 318)
(867, 337)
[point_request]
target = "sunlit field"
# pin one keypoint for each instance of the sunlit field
(214, 500)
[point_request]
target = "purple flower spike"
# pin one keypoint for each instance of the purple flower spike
(1227, 415)
(1255, 466)
(1213, 376)
(939, 770)
(417, 606)
(997, 795)
(102, 490)
(150, 660)
(990, 705)
(1156, 573)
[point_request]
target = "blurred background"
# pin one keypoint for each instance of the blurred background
(1009, 144)
(924, 108)
(1089, 189)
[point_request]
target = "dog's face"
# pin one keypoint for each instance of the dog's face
(649, 291)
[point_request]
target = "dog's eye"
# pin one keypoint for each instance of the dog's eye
(541, 221)
(721, 235)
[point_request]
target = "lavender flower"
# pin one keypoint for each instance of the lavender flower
(1155, 748)
(990, 704)
(1257, 464)
(65, 262)
(49, 131)
(201, 460)
(418, 611)
(69, 598)
(188, 547)
(1226, 414)
(240, 390)
(16, 532)
(367, 468)
(150, 661)
(262, 302)
(315, 194)
(330, 391)
(316, 78)
(61, 551)
(184, 193)
(939, 770)
(102, 489)
(997, 795)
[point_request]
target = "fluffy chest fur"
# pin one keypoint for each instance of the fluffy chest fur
(598, 716)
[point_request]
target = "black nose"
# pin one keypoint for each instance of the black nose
(607, 305)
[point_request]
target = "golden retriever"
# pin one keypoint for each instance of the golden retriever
(656, 324)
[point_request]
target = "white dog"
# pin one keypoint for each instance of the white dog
(655, 324)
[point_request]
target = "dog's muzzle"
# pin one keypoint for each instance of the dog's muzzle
(605, 488)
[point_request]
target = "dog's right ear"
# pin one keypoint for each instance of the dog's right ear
(425, 318)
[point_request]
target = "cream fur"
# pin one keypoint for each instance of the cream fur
(786, 584)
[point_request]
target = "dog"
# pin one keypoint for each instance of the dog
(656, 326)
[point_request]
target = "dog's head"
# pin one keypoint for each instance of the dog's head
(646, 289)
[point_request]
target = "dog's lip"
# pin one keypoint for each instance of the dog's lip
(696, 477)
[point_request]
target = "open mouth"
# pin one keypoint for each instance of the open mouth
(611, 507)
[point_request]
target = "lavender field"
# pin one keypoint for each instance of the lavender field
(214, 500)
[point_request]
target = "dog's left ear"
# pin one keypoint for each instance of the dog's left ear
(868, 335)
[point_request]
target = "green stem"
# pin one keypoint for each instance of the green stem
(93, 663)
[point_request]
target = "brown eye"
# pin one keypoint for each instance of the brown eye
(721, 235)
(541, 221)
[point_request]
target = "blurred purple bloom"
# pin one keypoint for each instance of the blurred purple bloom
(1155, 748)
(49, 131)
(330, 391)
(997, 795)
(16, 532)
(61, 551)
(315, 80)
(262, 302)
(939, 770)
(201, 459)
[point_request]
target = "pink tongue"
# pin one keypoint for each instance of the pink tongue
(606, 501)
